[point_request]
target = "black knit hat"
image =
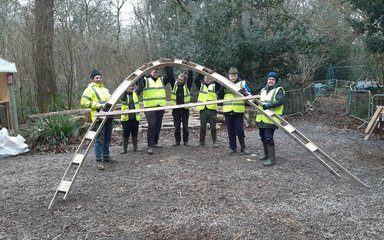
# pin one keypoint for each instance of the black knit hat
(94, 73)
(273, 75)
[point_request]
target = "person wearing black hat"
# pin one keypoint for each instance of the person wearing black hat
(94, 97)
(272, 97)
(130, 122)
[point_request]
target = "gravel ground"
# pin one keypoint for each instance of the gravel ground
(202, 192)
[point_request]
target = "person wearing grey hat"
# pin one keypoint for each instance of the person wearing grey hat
(272, 98)
(234, 112)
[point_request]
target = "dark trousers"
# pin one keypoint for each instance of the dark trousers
(266, 135)
(208, 116)
(130, 127)
(235, 127)
(155, 120)
(181, 115)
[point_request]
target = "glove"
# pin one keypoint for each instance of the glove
(244, 92)
(266, 106)
(101, 106)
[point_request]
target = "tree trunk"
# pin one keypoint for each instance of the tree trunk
(43, 55)
(246, 17)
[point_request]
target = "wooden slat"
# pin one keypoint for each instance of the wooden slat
(372, 130)
(289, 128)
(379, 109)
(270, 113)
(138, 72)
(78, 159)
(199, 67)
(116, 113)
(311, 146)
(90, 135)
(64, 186)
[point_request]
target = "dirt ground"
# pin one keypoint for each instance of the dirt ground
(203, 193)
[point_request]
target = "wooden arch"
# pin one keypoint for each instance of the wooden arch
(77, 161)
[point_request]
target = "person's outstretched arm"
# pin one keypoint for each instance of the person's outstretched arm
(169, 78)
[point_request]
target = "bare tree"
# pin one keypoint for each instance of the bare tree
(143, 17)
(43, 55)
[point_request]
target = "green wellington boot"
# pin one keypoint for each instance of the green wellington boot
(135, 147)
(271, 160)
(243, 148)
(265, 153)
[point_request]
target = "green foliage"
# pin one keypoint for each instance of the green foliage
(369, 20)
(53, 130)
(214, 36)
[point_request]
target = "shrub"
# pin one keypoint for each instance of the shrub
(53, 130)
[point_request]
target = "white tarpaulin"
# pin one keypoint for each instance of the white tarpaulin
(7, 67)
(11, 146)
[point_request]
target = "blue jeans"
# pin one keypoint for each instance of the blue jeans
(103, 140)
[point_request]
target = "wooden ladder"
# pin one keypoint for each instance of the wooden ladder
(78, 159)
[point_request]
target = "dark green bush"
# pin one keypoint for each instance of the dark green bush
(54, 130)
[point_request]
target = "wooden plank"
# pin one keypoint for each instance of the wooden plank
(64, 186)
(379, 109)
(117, 113)
(251, 100)
(90, 135)
(66, 112)
(312, 147)
(371, 130)
(78, 159)
(289, 128)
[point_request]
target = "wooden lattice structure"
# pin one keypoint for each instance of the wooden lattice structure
(375, 126)
(79, 157)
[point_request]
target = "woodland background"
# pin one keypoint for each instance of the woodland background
(55, 44)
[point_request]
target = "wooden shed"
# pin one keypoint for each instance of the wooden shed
(8, 112)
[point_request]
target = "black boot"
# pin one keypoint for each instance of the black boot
(231, 151)
(243, 148)
(134, 142)
(214, 138)
(271, 160)
(265, 154)
(202, 138)
(125, 146)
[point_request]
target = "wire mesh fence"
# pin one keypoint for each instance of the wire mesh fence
(299, 100)
(360, 103)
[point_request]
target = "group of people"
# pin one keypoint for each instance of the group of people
(154, 95)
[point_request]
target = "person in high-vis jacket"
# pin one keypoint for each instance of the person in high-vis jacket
(154, 95)
(234, 112)
(181, 95)
(208, 90)
(94, 97)
(272, 97)
(130, 122)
